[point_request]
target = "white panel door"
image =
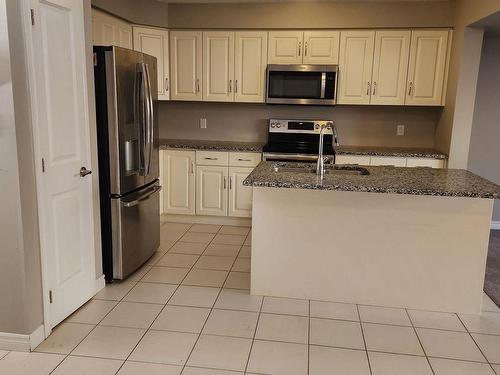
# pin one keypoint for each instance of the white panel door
(108, 30)
(250, 55)
(179, 182)
(211, 190)
(321, 47)
(426, 72)
(61, 125)
(355, 66)
(186, 65)
(285, 47)
(154, 42)
(240, 197)
(390, 67)
(218, 66)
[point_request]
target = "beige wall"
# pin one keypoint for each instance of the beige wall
(466, 13)
(484, 153)
(336, 14)
(357, 125)
(146, 12)
(20, 276)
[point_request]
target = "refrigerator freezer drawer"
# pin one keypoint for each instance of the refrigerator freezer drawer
(136, 229)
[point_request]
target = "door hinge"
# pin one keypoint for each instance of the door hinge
(32, 13)
(43, 165)
(50, 296)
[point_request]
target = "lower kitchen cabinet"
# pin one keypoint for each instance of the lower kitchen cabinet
(240, 197)
(178, 181)
(211, 190)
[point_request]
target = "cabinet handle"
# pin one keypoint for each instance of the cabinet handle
(224, 183)
(240, 159)
(230, 183)
(192, 167)
(230, 85)
(374, 88)
(368, 89)
(305, 49)
(236, 86)
(211, 158)
(410, 89)
(166, 84)
(197, 85)
(300, 47)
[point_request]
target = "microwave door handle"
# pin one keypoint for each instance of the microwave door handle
(323, 85)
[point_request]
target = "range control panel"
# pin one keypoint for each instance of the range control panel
(300, 126)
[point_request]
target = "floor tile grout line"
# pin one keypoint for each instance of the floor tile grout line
(475, 343)
(308, 336)
(254, 334)
(364, 340)
(420, 342)
(211, 309)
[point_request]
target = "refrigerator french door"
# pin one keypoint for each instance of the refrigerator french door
(127, 132)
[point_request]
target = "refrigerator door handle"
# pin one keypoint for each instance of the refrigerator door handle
(150, 119)
(139, 114)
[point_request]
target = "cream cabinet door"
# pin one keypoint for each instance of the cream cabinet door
(250, 57)
(211, 190)
(285, 47)
(390, 67)
(154, 42)
(321, 47)
(240, 197)
(110, 31)
(178, 181)
(186, 65)
(427, 66)
(218, 66)
(355, 66)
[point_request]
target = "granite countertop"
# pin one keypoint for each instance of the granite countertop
(404, 152)
(416, 181)
(186, 144)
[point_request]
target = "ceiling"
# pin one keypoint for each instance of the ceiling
(491, 25)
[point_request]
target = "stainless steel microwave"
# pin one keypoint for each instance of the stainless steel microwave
(302, 84)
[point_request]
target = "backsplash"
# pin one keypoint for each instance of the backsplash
(357, 125)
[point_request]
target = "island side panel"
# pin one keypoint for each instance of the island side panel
(414, 251)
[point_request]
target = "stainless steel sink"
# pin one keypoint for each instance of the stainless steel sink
(332, 170)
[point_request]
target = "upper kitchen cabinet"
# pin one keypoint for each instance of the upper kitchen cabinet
(186, 65)
(321, 47)
(285, 47)
(355, 67)
(154, 42)
(298, 47)
(390, 67)
(250, 56)
(427, 67)
(108, 30)
(218, 66)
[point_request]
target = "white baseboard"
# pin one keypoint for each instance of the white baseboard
(495, 225)
(100, 283)
(198, 219)
(22, 343)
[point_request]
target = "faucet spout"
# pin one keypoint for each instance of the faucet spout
(320, 165)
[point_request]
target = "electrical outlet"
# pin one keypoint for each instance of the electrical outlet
(203, 123)
(400, 130)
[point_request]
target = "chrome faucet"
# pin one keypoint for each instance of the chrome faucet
(320, 165)
(335, 135)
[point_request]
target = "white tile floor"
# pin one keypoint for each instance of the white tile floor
(188, 311)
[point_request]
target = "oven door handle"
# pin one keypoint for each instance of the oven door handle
(323, 85)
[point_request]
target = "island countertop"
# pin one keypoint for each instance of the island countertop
(381, 179)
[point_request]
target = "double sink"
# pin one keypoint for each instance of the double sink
(330, 169)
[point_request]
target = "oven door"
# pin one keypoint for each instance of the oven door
(301, 84)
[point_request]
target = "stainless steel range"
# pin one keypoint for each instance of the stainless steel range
(298, 140)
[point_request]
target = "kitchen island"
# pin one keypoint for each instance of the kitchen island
(402, 237)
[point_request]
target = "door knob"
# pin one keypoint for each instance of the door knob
(84, 171)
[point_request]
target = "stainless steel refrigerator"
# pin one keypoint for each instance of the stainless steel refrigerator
(127, 133)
